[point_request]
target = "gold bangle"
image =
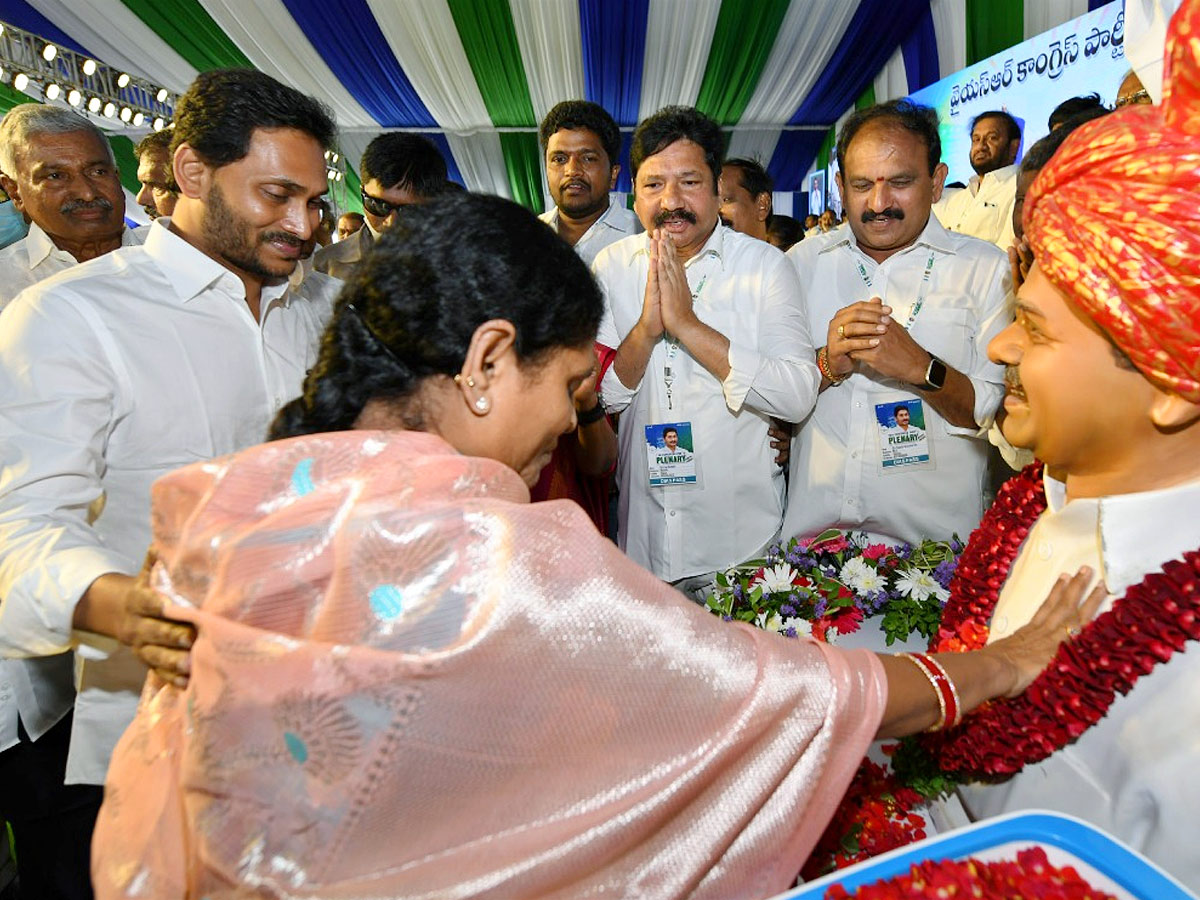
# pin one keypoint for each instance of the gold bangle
(826, 369)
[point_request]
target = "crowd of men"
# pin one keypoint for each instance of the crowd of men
(125, 353)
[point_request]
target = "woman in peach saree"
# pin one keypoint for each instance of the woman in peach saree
(408, 681)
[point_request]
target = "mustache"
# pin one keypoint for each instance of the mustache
(667, 215)
(1012, 380)
(575, 182)
(268, 236)
(891, 212)
(73, 206)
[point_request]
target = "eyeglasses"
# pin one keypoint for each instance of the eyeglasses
(1142, 96)
(376, 206)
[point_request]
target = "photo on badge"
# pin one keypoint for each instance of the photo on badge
(670, 453)
(902, 437)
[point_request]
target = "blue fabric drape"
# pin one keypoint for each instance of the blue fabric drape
(793, 155)
(349, 40)
(625, 179)
(920, 54)
(25, 17)
(859, 54)
(614, 44)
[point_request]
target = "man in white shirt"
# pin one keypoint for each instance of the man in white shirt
(59, 170)
(157, 194)
(984, 209)
(582, 144)
(710, 333)
(746, 197)
(1104, 387)
(145, 359)
(905, 310)
(397, 169)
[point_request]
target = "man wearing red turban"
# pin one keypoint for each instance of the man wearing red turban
(1104, 387)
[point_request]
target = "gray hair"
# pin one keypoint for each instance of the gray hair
(27, 120)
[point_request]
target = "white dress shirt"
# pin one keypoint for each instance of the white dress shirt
(837, 478)
(750, 295)
(984, 210)
(111, 374)
(616, 223)
(1134, 773)
(36, 256)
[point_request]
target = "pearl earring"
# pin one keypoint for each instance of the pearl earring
(482, 404)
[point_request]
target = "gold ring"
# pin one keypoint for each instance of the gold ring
(841, 331)
(1071, 631)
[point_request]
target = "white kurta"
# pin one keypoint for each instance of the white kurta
(984, 210)
(616, 223)
(1134, 773)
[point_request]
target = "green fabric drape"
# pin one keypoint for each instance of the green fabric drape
(191, 32)
(490, 41)
(742, 41)
(992, 26)
(127, 163)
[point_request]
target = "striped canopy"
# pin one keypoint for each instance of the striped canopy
(478, 75)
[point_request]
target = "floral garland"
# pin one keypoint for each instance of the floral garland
(1030, 875)
(828, 585)
(1145, 627)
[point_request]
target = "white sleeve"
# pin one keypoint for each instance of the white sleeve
(57, 407)
(995, 313)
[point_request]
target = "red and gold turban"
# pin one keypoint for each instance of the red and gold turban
(1114, 220)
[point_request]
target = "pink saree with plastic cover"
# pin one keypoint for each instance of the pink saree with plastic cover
(410, 682)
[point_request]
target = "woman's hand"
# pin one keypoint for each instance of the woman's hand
(1029, 650)
(162, 644)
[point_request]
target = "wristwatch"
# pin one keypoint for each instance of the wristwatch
(935, 375)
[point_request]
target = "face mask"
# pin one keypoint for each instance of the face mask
(12, 224)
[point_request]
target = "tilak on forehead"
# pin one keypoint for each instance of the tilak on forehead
(1114, 220)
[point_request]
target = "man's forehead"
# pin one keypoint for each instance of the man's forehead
(990, 125)
(575, 137)
(49, 148)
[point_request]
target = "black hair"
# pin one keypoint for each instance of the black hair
(785, 229)
(1073, 106)
(576, 114)
(1014, 130)
(1039, 154)
(155, 140)
(672, 429)
(222, 108)
(675, 123)
(754, 177)
(912, 117)
(411, 308)
(405, 159)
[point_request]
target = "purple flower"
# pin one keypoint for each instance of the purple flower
(789, 632)
(956, 545)
(787, 610)
(944, 572)
(738, 594)
(819, 607)
(727, 618)
(904, 551)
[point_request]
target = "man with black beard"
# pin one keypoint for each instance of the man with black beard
(905, 310)
(123, 368)
(984, 209)
(582, 143)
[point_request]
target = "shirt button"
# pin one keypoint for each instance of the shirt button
(1044, 549)
(858, 404)
(854, 455)
(672, 513)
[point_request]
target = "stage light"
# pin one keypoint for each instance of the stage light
(89, 67)
(123, 80)
(20, 81)
(335, 158)
(49, 52)
(159, 124)
(74, 97)
(110, 109)
(161, 96)
(126, 113)
(94, 105)
(138, 119)
(52, 91)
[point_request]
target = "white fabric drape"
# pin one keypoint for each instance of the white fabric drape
(1042, 15)
(1145, 36)
(426, 41)
(678, 37)
(119, 39)
(756, 144)
(815, 25)
(892, 80)
(950, 29)
(270, 38)
(549, 38)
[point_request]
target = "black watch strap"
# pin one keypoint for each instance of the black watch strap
(935, 375)
(591, 416)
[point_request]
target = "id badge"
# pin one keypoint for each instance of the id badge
(903, 440)
(670, 454)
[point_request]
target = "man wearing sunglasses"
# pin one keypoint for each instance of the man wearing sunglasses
(397, 169)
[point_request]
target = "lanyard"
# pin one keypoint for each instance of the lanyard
(921, 291)
(673, 349)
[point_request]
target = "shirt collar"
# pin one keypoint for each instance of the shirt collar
(40, 246)
(190, 272)
(713, 247)
(613, 204)
(933, 236)
(1125, 520)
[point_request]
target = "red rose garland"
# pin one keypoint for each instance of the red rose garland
(1142, 629)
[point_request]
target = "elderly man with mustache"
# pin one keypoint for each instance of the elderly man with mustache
(60, 172)
(905, 309)
(712, 340)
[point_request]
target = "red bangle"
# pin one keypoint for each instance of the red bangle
(826, 369)
(947, 693)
